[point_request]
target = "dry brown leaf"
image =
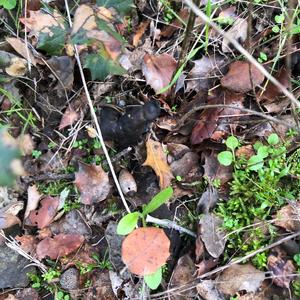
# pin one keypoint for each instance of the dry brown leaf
(8, 214)
(33, 198)
(60, 245)
(212, 234)
(21, 48)
(240, 278)
(84, 19)
(139, 33)
(145, 250)
(238, 77)
(281, 267)
(92, 183)
(26, 144)
(237, 32)
(17, 67)
(45, 214)
(39, 21)
(158, 70)
(28, 243)
(69, 117)
(156, 159)
(288, 217)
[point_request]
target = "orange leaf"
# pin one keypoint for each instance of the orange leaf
(145, 250)
(156, 159)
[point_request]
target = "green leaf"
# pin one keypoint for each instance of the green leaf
(52, 42)
(8, 154)
(128, 223)
(80, 38)
(153, 280)
(160, 198)
(101, 67)
(123, 7)
(225, 158)
(273, 139)
(263, 152)
(102, 25)
(275, 29)
(8, 4)
(232, 142)
(279, 19)
(257, 145)
(255, 163)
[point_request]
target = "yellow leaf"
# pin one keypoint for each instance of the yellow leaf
(156, 159)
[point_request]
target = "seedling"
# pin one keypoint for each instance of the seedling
(130, 221)
(36, 154)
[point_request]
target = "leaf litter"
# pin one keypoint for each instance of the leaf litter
(60, 203)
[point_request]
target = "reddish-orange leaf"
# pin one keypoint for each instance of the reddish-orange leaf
(43, 216)
(145, 250)
(60, 245)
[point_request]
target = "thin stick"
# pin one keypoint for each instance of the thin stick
(242, 50)
(94, 117)
(170, 224)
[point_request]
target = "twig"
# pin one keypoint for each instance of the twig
(242, 50)
(170, 224)
(253, 112)
(94, 117)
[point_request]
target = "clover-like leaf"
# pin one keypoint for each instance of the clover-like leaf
(225, 158)
(273, 139)
(232, 142)
(8, 4)
(255, 163)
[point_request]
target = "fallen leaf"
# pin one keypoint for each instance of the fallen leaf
(8, 214)
(206, 265)
(208, 199)
(92, 183)
(156, 159)
(83, 19)
(212, 234)
(182, 274)
(238, 32)
(43, 216)
(145, 250)
(281, 268)
(208, 291)
(127, 182)
(272, 91)
(21, 48)
(28, 243)
(40, 21)
(158, 70)
(69, 117)
(288, 217)
(240, 278)
(238, 77)
(60, 245)
(140, 32)
(33, 198)
(203, 72)
(26, 144)
(185, 164)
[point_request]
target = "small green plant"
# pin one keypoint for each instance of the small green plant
(8, 4)
(260, 186)
(101, 264)
(262, 57)
(36, 154)
(130, 221)
(296, 282)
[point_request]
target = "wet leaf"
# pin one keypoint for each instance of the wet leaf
(92, 183)
(43, 216)
(238, 77)
(145, 250)
(158, 70)
(60, 245)
(281, 267)
(238, 278)
(156, 159)
(100, 67)
(52, 42)
(212, 234)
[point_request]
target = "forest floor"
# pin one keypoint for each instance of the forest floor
(149, 149)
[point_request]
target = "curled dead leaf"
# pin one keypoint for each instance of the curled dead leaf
(288, 217)
(145, 250)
